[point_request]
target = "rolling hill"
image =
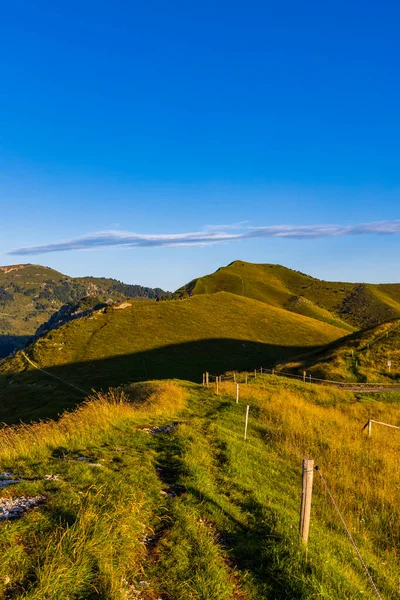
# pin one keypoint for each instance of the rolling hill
(362, 356)
(152, 340)
(30, 294)
(347, 305)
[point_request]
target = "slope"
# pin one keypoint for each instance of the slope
(30, 294)
(138, 341)
(362, 356)
(151, 492)
(346, 305)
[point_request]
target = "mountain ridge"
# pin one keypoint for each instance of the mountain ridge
(347, 305)
(30, 294)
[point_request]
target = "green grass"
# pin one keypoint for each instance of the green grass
(231, 530)
(362, 356)
(180, 338)
(30, 294)
(345, 305)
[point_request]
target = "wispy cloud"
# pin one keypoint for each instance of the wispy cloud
(209, 235)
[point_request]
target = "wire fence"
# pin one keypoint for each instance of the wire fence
(306, 378)
(234, 378)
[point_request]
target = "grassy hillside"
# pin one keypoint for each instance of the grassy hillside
(138, 341)
(160, 497)
(30, 294)
(362, 356)
(344, 305)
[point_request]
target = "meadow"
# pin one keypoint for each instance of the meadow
(151, 340)
(155, 494)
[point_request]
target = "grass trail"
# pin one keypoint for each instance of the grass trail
(171, 502)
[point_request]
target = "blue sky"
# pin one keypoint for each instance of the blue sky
(217, 119)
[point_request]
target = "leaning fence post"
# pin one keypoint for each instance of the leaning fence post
(246, 422)
(305, 509)
(237, 393)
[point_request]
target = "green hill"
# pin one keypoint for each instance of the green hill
(30, 294)
(346, 305)
(362, 356)
(140, 341)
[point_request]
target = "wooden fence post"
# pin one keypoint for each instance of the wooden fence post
(261, 370)
(246, 422)
(255, 373)
(234, 378)
(304, 376)
(246, 378)
(207, 378)
(216, 384)
(369, 427)
(204, 378)
(237, 393)
(310, 377)
(306, 496)
(273, 371)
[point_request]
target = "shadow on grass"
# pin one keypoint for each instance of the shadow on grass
(255, 546)
(32, 394)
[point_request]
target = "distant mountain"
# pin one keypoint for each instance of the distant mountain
(240, 317)
(30, 294)
(348, 305)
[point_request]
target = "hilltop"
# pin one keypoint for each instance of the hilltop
(152, 340)
(240, 317)
(30, 294)
(362, 356)
(347, 305)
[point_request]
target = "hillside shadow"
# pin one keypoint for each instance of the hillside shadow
(9, 343)
(32, 394)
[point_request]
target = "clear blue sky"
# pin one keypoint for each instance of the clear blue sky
(159, 118)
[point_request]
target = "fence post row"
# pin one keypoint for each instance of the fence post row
(305, 509)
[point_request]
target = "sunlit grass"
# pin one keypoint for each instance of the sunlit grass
(231, 530)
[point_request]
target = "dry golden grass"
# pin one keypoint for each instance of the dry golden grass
(91, 420)
(326, 424)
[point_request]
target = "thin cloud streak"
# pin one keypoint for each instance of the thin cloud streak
(209, 236)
